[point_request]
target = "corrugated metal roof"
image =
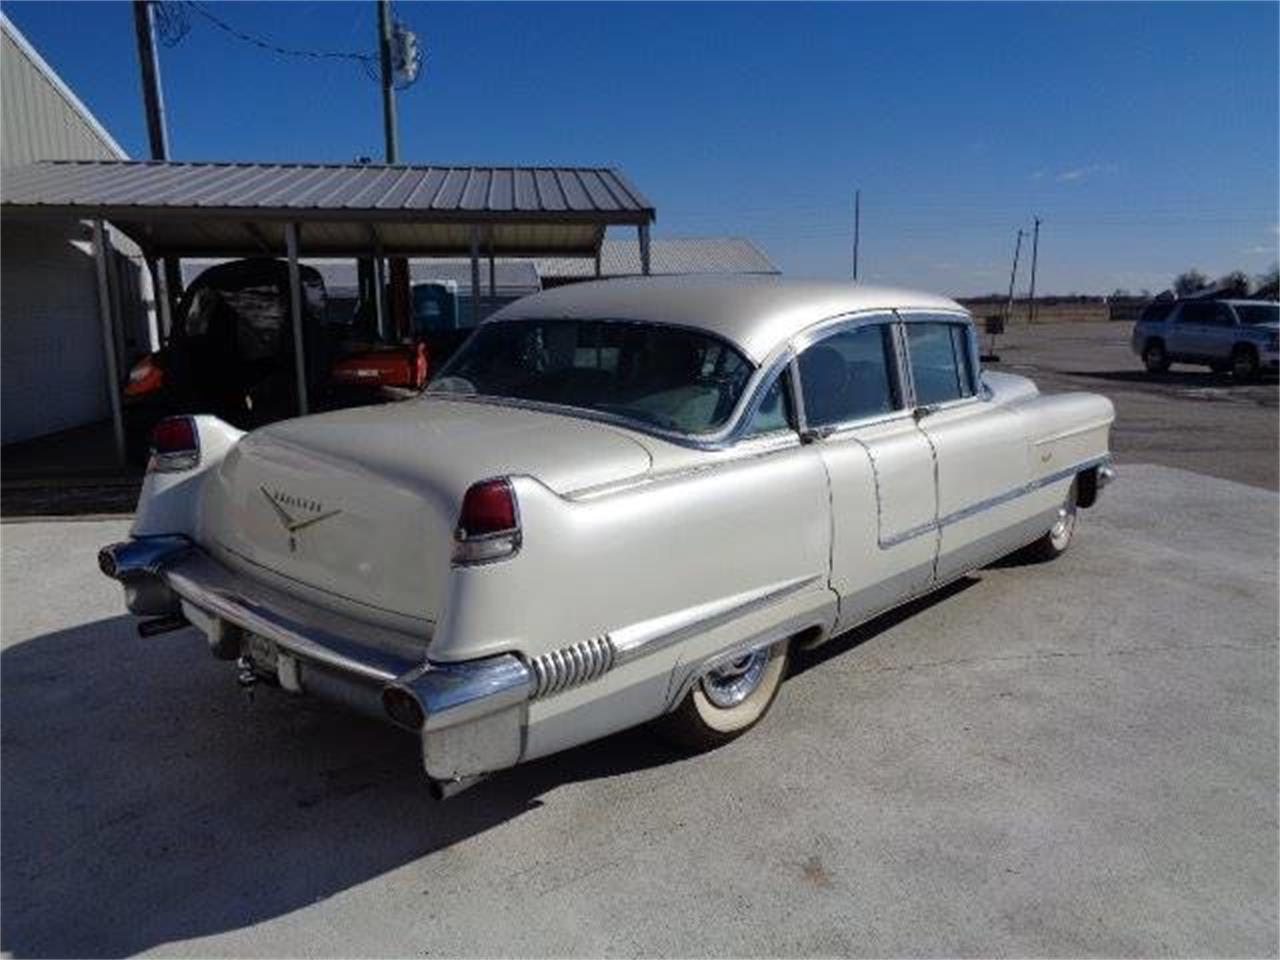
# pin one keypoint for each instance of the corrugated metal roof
(670, 256)
(239, 209)
(538, 193)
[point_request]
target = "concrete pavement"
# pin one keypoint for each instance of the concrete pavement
(1071, 759)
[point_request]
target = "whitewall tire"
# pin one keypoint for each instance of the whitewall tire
(729, 701)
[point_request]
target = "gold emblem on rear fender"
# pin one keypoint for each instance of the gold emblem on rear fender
(312, 513)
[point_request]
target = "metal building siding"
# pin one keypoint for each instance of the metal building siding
(40, 118)
(51, 369)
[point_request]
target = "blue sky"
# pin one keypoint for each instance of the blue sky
(1145, 136)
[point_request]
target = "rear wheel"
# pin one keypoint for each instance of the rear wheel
(728, 701)
(1154, 357)
(1244, 363)
(1058, 537)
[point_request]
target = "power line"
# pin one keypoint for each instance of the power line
(202, 10)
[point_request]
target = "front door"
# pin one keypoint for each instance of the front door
(980, 449)
(879, 466)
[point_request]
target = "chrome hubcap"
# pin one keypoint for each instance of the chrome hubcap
(729, 685)
(1060, 532)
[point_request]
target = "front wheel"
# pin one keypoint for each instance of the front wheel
(728, 701)
(1155, 358)
(1058, 537)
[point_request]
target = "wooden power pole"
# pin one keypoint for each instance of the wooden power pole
(1017, 249)
(1035, 251)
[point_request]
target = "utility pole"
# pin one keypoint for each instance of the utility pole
(388, 88)
(857, 229)
(153, 102)
(1035, 251)
(1008, 309)
(397, 267)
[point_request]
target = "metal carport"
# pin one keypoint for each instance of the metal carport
(257, 209)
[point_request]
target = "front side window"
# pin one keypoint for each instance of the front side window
(674, 379)
(846, 376)
(940, 365)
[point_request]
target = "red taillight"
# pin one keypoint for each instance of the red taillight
(175, 445)
(489, 525)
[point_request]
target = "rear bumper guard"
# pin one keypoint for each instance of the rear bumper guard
(470, 716)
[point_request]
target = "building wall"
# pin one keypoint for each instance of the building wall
(42, 119)
(52, 366)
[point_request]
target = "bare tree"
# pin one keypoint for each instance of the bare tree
(1189, 281)
(1268, 284)
(1234, 284)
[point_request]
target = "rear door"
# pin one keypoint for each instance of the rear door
(1200, 331)
(879, 464)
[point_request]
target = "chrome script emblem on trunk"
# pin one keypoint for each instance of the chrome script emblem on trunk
(312, 512)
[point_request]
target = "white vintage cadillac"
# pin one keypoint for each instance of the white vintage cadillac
(619, 501)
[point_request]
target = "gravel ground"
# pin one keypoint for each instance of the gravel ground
(1076, 759)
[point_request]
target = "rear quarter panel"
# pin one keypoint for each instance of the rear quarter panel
(646, 556)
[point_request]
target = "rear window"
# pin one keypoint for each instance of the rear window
(668, 377)
(1156, 312)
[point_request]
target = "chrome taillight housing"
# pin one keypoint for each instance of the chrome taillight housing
(175, 446)
(488, 524)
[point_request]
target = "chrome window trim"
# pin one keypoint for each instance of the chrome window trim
(761, 379)
(981, 392)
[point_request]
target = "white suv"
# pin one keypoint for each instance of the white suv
(1235, 335)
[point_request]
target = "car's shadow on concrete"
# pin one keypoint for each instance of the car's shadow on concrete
(146, 802)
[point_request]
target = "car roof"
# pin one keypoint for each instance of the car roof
(756, 314)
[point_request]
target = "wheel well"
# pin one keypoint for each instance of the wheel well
(1150, 341)
(1244, 348)
(1087, 488)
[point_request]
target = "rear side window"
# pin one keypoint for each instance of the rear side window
(1206, 315)
(940, 363)
(1156, 311)
(847, 376)
(1255, 314)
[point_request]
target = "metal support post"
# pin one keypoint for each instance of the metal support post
(101, 253)
(644, 249)
(295, 314)
(475, 276)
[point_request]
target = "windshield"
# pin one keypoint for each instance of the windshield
(1254, 314)
(667, 377)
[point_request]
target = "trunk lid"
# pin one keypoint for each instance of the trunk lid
(358, 507)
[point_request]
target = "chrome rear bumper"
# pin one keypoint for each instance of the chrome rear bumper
(470, 716)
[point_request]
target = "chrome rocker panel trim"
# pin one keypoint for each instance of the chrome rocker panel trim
(1106, 473)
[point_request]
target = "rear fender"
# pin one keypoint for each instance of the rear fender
(169, 502)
